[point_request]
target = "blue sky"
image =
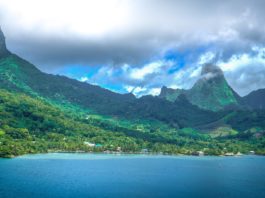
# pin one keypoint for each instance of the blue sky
(140, 45)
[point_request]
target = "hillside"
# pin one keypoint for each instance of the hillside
(31, 125)
(255, 99)
(210, 92)
(17, 74)
(43, 112)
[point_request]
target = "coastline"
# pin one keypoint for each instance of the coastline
(130, 153)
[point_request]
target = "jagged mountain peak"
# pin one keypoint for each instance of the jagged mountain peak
(3, 50)
(210, 71)
(169, 93)
(2, 39)
(211, 91)
(255, 99)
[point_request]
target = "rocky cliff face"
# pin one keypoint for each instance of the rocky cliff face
(210, 92)
(170, 94)
(3, 50)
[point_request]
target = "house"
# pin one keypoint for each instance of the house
(198, 153)
(144, 151)
(89, 144)
(229, 154)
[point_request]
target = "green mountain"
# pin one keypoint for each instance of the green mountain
(18, 74)
(42, 112)
(170, 94)
(255, 99)
(3, 50)
(210, 92)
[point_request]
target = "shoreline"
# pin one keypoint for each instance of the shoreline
(130, 153)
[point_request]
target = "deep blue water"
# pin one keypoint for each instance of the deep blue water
(95, 175)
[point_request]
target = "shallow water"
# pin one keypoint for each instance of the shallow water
(105, 175)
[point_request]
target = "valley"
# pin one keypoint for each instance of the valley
(49, 113)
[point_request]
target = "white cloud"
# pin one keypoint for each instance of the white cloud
(196, 72)
(140, 91)
(120, 36)
(126, 31)
(151, 68)
(128, 88)
(84, 79)
(238, 61)
(84, 17)
(206, 58)
(245, 72)
(154, 91)
(135, 90)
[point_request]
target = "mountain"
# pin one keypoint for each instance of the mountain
(255, 99)
(170, 94)
(179, 114)
(18, 74)
(43, 112)
(3, 50)
(210, 92)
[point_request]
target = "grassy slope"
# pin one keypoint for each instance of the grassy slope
(19, 75)
(30, 125)
(41, 112)
(213, 94)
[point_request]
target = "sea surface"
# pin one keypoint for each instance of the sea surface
(106, 175)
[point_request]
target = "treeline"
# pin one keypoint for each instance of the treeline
(33, 125)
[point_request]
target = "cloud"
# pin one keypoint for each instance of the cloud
(84, 79)
(140, 91)
(206, 58)
(139, 43)
(141, 73)
(144, 80)
(118, 32)
(246, 72)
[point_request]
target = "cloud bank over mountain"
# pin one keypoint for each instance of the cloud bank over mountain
(140, 45)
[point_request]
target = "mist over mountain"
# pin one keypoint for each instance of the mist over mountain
(132, 98)
(212, 92)
(46, 106)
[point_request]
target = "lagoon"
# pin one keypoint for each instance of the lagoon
(109, 175)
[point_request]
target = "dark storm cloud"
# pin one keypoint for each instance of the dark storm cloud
(55, 52)
(155, 26)
(143, 31)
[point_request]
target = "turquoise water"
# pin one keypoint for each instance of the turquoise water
(100, 175)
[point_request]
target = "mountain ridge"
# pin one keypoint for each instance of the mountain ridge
(202, 94)
(211, 92)
(3, 50)
(44, 112)
(18, 74)
(255, 99)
